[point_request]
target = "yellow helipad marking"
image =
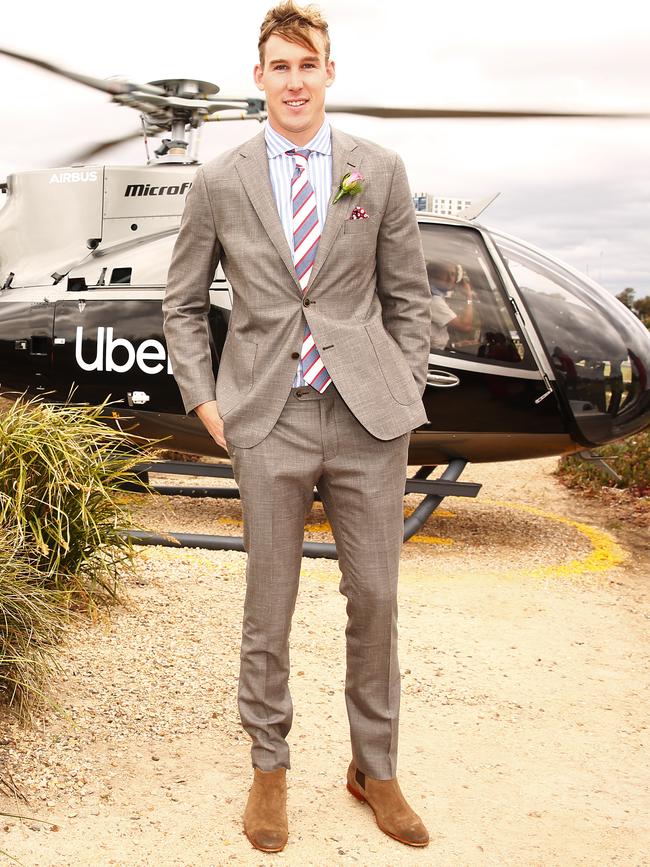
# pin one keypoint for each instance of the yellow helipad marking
(324, 527)
(605, 554)
(440, 513)
(431, 540)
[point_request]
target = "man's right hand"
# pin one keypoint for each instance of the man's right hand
(210, 417)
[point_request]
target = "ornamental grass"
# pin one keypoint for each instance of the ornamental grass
(33, 619)
(63, 511)
(630, 458)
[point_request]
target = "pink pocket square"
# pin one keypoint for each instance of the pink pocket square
(359, 214)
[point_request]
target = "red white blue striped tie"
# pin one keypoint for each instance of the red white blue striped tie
(306, 235)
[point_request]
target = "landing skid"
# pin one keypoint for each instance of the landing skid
(435, 490)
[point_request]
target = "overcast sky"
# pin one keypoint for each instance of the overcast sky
(578, 188)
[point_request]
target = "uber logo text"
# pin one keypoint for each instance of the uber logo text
(147, 356)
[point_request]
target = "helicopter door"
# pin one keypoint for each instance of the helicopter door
(598, 349)
(484, 383)
(108, 342)
(26, 330)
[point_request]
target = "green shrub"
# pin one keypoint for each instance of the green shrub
(62, 512)
(62, 472)
(32, 622)
(630, 458)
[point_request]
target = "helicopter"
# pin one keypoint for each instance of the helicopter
(553, 363)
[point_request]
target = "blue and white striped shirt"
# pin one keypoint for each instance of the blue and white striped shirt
(281, 171)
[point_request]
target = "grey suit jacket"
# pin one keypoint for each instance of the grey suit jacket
(367, 302)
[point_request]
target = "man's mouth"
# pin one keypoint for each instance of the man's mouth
(295, 103)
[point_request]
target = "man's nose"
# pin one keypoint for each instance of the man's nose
(295, 80)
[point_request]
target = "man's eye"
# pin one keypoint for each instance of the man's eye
(280, 66)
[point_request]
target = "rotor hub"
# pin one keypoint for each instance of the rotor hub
(187, 88)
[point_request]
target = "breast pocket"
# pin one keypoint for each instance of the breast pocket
(360, 227)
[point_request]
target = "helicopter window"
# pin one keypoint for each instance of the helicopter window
(470, 315)
(586, 341)
(121, 275)
(39, 345)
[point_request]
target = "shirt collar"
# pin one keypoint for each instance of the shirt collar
(277, 145)
(436, 289)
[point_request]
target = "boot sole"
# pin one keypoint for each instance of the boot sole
(263, 848)
(363, 800)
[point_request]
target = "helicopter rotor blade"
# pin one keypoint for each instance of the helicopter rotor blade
(460, 113)
(113, 86)
(127, 92)
(167, 102)
(152, 102)
(251, 108)
(232, 114)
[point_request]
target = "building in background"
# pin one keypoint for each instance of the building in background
(445, 205)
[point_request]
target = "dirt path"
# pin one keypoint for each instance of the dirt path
(523, 741)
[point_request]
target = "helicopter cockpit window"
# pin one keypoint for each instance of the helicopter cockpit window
(121, 275)
(590, 347)
(470, 315)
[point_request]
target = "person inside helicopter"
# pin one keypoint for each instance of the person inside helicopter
(446, 278)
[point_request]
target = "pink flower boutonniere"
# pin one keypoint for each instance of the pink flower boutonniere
(351, 185)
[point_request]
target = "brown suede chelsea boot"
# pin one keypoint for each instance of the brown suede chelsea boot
(265, 816)
(393, 814)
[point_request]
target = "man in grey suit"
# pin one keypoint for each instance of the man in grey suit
(320, 383)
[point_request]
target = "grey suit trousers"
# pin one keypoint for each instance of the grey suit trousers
(318, 442)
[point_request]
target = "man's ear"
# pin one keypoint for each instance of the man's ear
(258, 76)
(330, 71)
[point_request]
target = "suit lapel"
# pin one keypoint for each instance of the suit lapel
(344, 160)
(253, 170)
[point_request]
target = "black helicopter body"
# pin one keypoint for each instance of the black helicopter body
(553, 363)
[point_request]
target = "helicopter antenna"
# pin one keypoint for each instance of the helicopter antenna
(471, 212)
(145, 139)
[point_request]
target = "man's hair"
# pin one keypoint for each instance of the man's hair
(438, 269)
(295, 24)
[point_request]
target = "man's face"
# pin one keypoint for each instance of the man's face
(294, 79)
(449, 278)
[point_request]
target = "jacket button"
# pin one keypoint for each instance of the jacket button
(306, 302)
(295, 355)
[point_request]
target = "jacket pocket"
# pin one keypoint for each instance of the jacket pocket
(360, 227)
(235, 376)
(393, 365)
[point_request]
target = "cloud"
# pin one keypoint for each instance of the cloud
(599, 229)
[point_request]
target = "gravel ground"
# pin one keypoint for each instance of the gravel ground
(523, 741)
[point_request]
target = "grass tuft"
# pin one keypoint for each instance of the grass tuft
(62, 513)
(630, 458)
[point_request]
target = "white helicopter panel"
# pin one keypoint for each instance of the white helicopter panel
(47, 222)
